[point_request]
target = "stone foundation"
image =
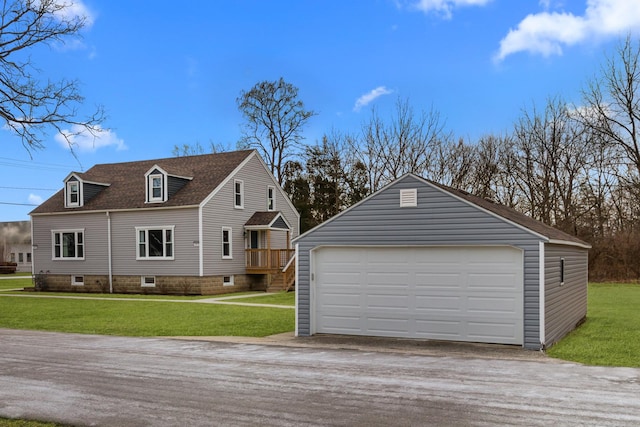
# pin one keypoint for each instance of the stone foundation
(164, 285)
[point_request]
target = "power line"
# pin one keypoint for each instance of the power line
(18, 204)
(30, 188)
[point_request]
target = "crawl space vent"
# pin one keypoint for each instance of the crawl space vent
(409, 198)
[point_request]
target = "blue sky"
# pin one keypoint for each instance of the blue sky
(169, 74)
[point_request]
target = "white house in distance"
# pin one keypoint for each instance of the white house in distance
(15, 244)
(201, 224)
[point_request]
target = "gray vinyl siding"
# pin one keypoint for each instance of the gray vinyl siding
(89, 191)
(124, 243)
(95, 243)
(439, 219)
(175, 184)
(565, 304)
(220, 212)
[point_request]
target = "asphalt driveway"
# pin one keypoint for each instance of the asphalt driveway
(108, 381)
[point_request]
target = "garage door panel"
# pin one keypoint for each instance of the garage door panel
(342, 301)
(383, 324)
(435, 280)
(387, 302)
(452, 293)
(492, 305)
(437, 303)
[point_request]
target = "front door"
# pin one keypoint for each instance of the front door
(254, 239)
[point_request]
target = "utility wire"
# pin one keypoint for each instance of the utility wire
(30, 188)
(18, 204)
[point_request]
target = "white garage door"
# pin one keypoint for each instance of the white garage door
(447, 293)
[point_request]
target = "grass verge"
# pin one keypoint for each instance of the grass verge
(6, 422)
(611, 334)
(14, 282)
(279, 298)
(142, 318)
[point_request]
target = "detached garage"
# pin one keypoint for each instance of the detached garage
(419, 260)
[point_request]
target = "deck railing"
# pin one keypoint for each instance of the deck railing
(267, 259)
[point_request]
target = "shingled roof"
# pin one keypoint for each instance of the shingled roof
(127, 186)
(514, 216)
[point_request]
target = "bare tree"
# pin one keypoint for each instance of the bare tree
(405, 143)
(274, 121)
(612, 106)
(29, 106)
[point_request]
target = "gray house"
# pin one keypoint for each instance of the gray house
(198, 224)
(420, 260)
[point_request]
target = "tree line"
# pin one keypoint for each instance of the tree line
(572, 166)
(575, 167)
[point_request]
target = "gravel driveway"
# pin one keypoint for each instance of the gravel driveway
(109, 381)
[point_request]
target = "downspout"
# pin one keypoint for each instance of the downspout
(541, 296)
(109, 252)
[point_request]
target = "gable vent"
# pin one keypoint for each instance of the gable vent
(409, 198)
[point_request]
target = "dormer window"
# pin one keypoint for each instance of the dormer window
(73, 194)
(156, 185)
(156, 190)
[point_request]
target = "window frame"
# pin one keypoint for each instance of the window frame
(228, 280)
(75, 281)
(76, 232)
(238, 192)
(228, 243)
(68, 193)
(171, 243)
(144, 284)
(562, 271)
(271, 198)
(151, 198)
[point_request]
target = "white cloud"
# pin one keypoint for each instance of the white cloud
(367, 98)
(34, 199)
(547, 33)
(445, 7)
(73, 9)
(78, 138)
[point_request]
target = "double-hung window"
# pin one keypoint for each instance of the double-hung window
(73, 194)
(156, 188)
(271, 198)
(238, 194)
(155, 242)
(227, 252)
(68, 244)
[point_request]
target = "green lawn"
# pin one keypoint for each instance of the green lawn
(142, 318)
(279, 298)
(611, 334)
(14, 282)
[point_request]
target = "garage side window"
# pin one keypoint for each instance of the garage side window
(561, 271)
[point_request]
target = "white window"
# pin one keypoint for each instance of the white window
(227, 249)
(154, 243)
(271, 198)
(20, 257)
(68, 244)
(77, 280)
(156, 188)
(238, 194)
(73, 194)
(148, 281)
(227, 281)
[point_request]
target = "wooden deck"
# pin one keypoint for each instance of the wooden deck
(266, 261)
